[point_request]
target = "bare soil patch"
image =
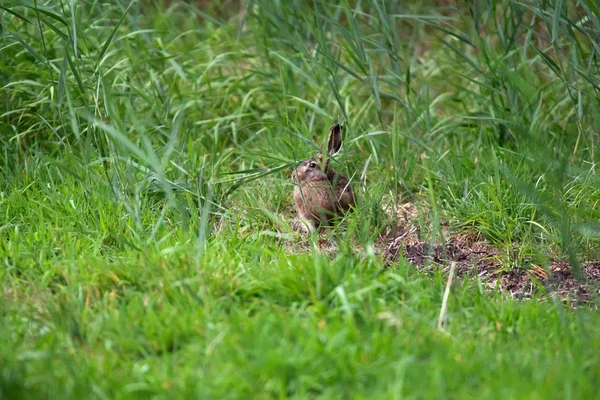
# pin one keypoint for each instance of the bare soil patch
(476, 257)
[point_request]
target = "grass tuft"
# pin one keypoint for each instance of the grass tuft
(144, 187)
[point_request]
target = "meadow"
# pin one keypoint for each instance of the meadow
(146, 237)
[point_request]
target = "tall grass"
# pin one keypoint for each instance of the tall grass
(146, 149)
(501, 97)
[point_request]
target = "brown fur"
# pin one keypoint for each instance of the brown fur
(322, 193)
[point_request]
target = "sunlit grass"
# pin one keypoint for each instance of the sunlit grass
(146, 200)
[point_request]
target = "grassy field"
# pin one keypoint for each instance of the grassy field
(145, 192)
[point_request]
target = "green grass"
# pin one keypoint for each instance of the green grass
(146, 201)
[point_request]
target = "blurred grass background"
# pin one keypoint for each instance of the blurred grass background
(145, 195)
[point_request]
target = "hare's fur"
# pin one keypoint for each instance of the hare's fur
(321, 193)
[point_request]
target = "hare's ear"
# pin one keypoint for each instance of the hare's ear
(334, 141)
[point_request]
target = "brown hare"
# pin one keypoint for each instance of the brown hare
(321, 193)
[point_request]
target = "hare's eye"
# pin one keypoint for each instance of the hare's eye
(312, 165)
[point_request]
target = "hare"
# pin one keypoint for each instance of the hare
(321, 193)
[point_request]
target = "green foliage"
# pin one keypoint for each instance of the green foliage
(146, 150)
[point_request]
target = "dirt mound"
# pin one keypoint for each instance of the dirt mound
(474, 256)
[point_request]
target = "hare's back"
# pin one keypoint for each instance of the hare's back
(343, 191)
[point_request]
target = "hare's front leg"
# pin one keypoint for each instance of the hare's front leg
(304, 225)
(304, 200)
(307, 225)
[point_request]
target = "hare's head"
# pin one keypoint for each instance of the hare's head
(309, 170)
(317, 167)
